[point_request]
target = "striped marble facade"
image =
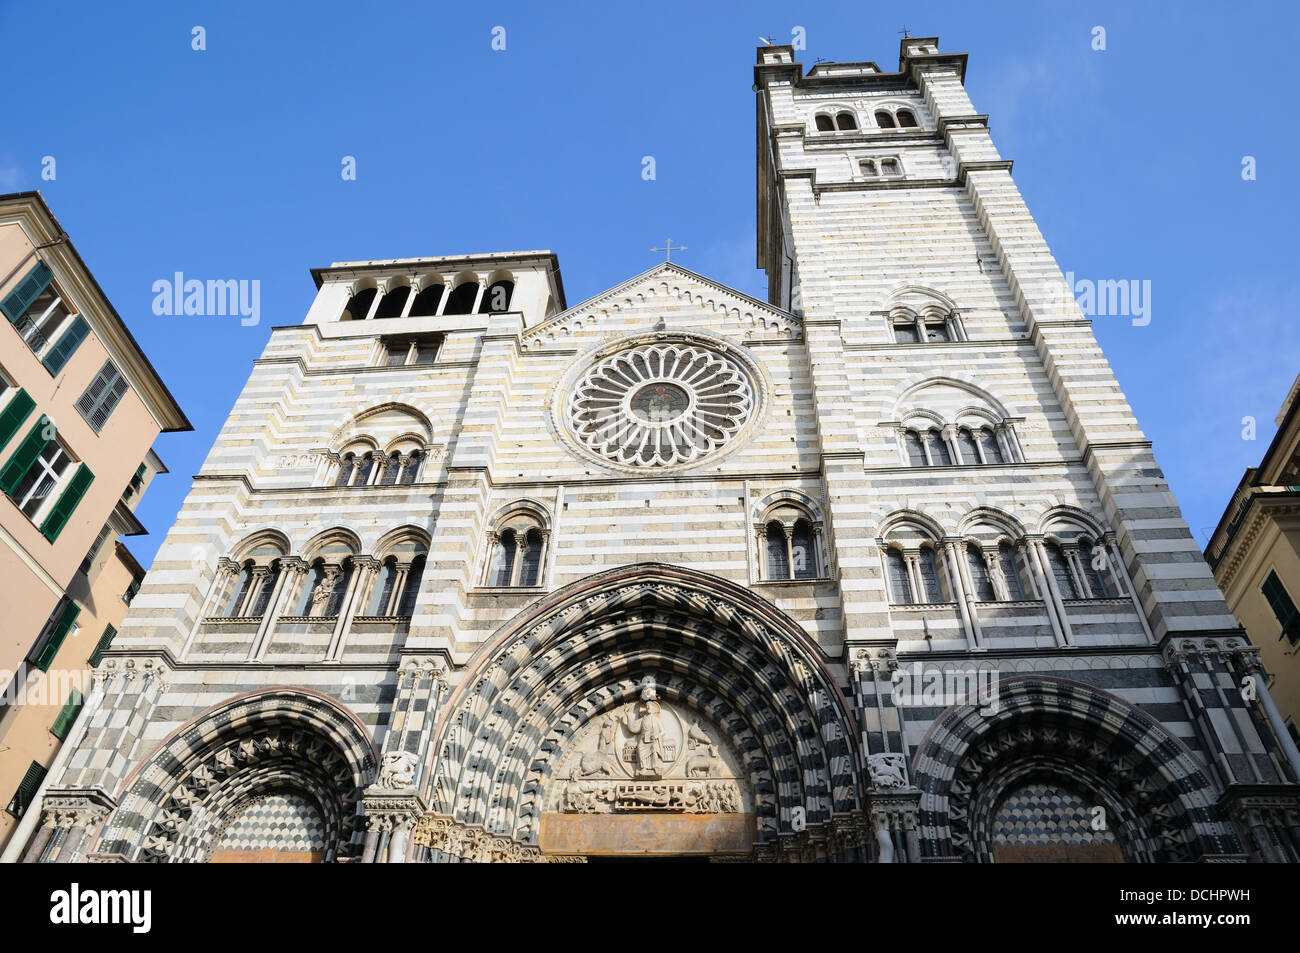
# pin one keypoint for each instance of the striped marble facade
(432, 735)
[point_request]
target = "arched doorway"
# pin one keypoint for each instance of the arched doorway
(1061, 771)
(648, 711)
(275, 775)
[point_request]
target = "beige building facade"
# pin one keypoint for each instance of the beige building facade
(80, 409)
(1255, 554)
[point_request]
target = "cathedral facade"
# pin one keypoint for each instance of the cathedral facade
(879, 569)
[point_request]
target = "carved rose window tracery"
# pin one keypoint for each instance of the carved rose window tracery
(660, 405)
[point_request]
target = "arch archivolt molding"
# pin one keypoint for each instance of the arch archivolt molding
(646, 692)
(1156, 795)
(176, 805)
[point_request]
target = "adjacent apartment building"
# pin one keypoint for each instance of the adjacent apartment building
(1255, 554)
(80, 408)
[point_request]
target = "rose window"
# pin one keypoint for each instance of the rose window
(660, 405)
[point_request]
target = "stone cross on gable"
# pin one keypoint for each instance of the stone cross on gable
(668, 249)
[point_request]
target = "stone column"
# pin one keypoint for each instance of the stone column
(365, 566)
(1077, 572)
(376, 828)
(410, 297)
(289, 569)
(1178, 659)
(1247, 661)
(893, 808)
(961, 594)
(227, 572)
(327, 462)
(1047, 585)
(391, 815)
(257, 578)
(374, 303)
(1006, 443)
(949, 436)
(913, 561)
(1116, 576)
(79, 814)
(399, 586)
(36, 847)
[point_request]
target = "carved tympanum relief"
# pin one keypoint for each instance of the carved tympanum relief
(649, 755)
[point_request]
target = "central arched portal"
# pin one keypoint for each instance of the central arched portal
(648, 711)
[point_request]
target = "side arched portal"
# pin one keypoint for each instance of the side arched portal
(281, 769)
(1058, 770)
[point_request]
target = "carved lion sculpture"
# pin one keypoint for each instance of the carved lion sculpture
(398, 771)
(888, 770)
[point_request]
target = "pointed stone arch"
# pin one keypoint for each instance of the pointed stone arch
(924, 521)
(333, 540)
(265, 543)
(918, 299)
(584, 652)
(1065, 513)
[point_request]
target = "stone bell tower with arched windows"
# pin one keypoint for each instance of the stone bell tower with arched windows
(880, 569)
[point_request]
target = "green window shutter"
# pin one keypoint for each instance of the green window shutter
(67, 346)
(136, 482)
(68, 501)
(14, 414)
(102, 645)
(61, 630)
(67, 715)
(24, 456)
(17, 302)
(27, 789)
(1279, 601)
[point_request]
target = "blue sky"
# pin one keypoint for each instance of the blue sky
(226, 164)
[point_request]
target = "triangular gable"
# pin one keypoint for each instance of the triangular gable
(680, 298)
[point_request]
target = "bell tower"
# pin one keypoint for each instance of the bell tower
(993, 499)
(882, 198)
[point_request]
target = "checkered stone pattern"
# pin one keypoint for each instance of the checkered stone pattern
(871, 684)
(1046, 814)
(421, 686)
(131, 694)
(281, 821)
(1213, 684)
